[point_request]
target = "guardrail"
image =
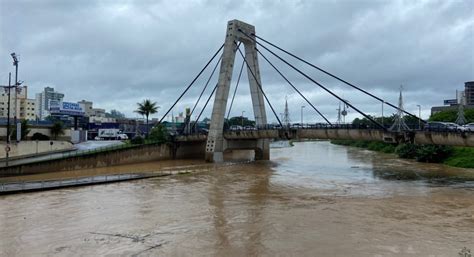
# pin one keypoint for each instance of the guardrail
(432, 128)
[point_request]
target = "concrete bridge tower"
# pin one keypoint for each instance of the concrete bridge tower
(216, 143)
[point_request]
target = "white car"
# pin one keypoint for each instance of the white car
(469, 127)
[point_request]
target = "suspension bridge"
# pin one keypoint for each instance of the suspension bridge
(218, 140)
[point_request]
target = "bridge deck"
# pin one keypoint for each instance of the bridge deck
(452, 138)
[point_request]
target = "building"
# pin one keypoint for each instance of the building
(25, 108)
(465, 98)
(87, 107)
(43, 99)
(469, 92)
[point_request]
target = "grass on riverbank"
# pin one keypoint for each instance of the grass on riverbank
(370, 145)
(462, 157)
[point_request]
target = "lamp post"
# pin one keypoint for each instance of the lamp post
(7, 90)
(15, 63)
(242, 119)
(419, 116)
(302, 114)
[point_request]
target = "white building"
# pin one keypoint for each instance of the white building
(43, 99)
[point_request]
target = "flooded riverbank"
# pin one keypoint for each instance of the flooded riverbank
(314, 199)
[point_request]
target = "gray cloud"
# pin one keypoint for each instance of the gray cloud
(117, 53)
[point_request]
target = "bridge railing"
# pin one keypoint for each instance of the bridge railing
(411, 127)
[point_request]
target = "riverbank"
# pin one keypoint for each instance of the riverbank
(461, 157)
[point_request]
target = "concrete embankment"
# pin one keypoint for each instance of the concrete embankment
(134, 154)
(30, 148)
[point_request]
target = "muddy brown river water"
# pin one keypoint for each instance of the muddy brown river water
(314, 199)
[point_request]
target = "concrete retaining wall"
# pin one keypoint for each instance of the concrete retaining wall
(25, 148)
(443, 138)
(136, 154)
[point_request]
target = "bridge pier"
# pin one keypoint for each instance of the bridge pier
(216, 143)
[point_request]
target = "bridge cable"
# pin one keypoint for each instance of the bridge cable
(291, 84)
(235, 90)
(315, 82)
(259, 86)
(205, 86)
(338, 78)
(203, 108)
(192, 82)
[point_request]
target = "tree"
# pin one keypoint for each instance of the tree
(159, 133)
(451, 115)
(57, 129)
(239, 121)
(25, 130)
(115, 114)
(146, 108)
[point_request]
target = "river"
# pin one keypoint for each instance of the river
(313, 199)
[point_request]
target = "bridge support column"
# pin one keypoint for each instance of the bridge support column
(215, 145)
(263, 150)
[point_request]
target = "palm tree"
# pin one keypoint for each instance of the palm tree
(146, 108)
(57, 129)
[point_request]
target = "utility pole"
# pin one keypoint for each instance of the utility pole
(419, 116)
(286, 115)
(7, 91)
(242, 119)
(15, 63)
(302, 114)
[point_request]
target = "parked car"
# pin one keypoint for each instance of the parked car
(236, 127)
(296, 125)
(443, 126)
(454, 127)
(250, 128)
(469, 127)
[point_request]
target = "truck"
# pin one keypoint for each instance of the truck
(110, 134)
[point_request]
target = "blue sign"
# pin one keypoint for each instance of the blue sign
(450, 101)
(65, 108)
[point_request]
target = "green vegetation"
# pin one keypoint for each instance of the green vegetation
(239, 121)
(452, 156)
(137, 140)
(114, 114)
(146, 108)
(370, 145)
(461, 157)
(25, 129)
(386, 120)
(450, 116)
(57, 129)
(159, 133)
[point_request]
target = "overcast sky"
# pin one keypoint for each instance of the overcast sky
(117, 53)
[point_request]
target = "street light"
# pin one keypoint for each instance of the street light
(302, 114)
(15, 63)
(419, 116)
(242, 118)
(7, 90)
